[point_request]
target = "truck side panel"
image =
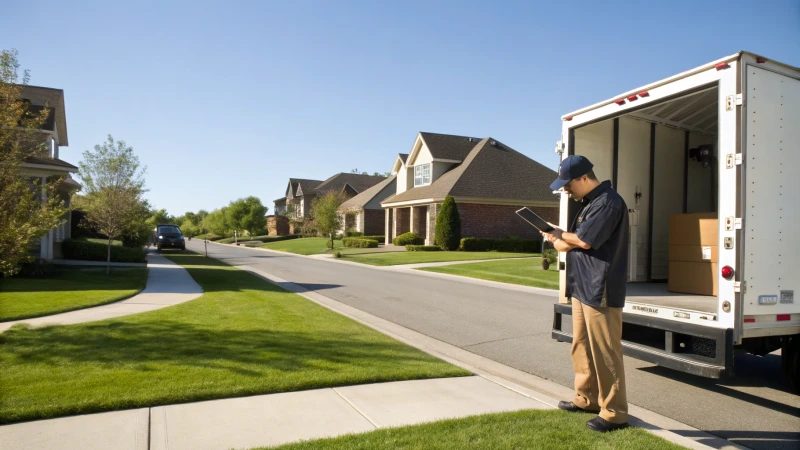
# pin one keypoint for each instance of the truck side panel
(771, 186)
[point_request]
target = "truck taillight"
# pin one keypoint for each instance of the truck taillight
(727, 272)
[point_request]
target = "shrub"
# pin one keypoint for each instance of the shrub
(423, 248)
(380, 239)
(92, 251)
(408, 239)
(448, 225)
(551, 255)
(353, 234)
(471, 244)
(355, 242)
(338, 254)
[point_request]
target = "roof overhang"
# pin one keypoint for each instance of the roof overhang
(49, 168)
(53, 98)
(479, 200)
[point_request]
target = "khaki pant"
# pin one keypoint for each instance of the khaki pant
(597, 360)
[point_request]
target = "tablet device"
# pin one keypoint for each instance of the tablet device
(534, 219)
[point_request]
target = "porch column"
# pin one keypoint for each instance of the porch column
(387, 226)
(412, 226)
(433, 210)
(395, 223)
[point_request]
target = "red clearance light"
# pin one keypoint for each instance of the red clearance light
(761, 60)
(568, 118)
(620, 101)
(749, 320)
(633, 98)
(727, 272)
(644, 94)
(721, 66)
(784, 317)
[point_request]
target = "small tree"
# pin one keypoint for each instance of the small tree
(114, 186)
(327, 219)
(247, 214)
(448, 225)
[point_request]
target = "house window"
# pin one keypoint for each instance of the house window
(422, 174)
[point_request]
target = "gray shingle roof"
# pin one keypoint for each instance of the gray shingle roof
(448, 146)
(358, 182)
(365, 197)
(404, 157)
(489, 171)
(49, 162)
(307, 184)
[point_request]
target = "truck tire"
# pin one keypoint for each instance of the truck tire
(790, 362)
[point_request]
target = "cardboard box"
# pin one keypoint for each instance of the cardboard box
(693, 277)
(694, 253)
(701, 229)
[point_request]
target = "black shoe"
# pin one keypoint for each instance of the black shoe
(569, 406)
(603, 426)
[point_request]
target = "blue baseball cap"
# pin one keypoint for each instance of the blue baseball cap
(570, 168)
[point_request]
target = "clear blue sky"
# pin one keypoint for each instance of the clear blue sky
(228, 99)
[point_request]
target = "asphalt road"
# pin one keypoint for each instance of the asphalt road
(755, 409)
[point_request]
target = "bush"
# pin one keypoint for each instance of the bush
(338, 254)
(408, 239)
(551, 255)
(380, 239)
(471, 244)
(422, 248)
(448, 225)
(353, 234)
(355, 242)
(92, 251)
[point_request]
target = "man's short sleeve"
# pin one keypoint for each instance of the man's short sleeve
(598, 225)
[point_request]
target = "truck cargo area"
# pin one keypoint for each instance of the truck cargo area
(662, 155)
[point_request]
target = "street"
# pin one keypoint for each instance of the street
(755, 409)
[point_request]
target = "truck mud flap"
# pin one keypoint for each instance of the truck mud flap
(689, 348)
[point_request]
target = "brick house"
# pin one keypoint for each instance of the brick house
(488, 180)
(364, 212)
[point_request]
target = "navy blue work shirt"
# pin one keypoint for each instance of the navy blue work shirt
(598, 277)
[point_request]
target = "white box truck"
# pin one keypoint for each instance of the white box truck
(722, 139)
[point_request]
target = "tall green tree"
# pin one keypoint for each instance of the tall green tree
(448, 225)
(247, 214)
(114, 185)
(28, 209)
(326, 218)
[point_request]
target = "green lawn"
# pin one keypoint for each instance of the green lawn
(101, 241)
(527, 272)
(394, 258)
(304, 246)
(529, 429)
(244, 336)
(69, 288)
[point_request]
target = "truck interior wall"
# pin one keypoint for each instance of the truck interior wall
(702, 194)
(668, 189)
(596, 142)
(633, 168)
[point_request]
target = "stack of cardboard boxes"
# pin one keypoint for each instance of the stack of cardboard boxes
(694, 253)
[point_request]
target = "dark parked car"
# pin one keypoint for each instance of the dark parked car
(169, 236)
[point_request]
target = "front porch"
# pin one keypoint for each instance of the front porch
(419, 219)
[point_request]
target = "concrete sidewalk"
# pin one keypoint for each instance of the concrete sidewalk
(167, 284)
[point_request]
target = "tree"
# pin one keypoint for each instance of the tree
(28, 209)
(114, 186)
(448, 225)
(327, 219)
(247, 214)
(216, 223)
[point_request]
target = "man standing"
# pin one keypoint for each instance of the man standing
(597, 257)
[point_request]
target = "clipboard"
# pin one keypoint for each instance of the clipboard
(534, 219)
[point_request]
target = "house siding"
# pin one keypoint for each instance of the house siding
(374, 222)
(500, 221)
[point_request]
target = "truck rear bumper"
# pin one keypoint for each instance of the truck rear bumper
(703, 351)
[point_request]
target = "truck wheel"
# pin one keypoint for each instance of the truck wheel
(790, 362)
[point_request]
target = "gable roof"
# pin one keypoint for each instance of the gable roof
(54, 99)
(365, 197)
(294, 183)
(358, 182)
(448, 146)
(490, 170)
(403, 156)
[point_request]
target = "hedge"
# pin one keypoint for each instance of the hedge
(353, 234)
(471, 244)
(92, 251)
(423, 248)
(408, 239)
(356, 242)
(380, 239)
(262, 239)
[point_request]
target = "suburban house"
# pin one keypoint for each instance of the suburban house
(49, 166)
(364, 213)
(488, 180)
(301, 192)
